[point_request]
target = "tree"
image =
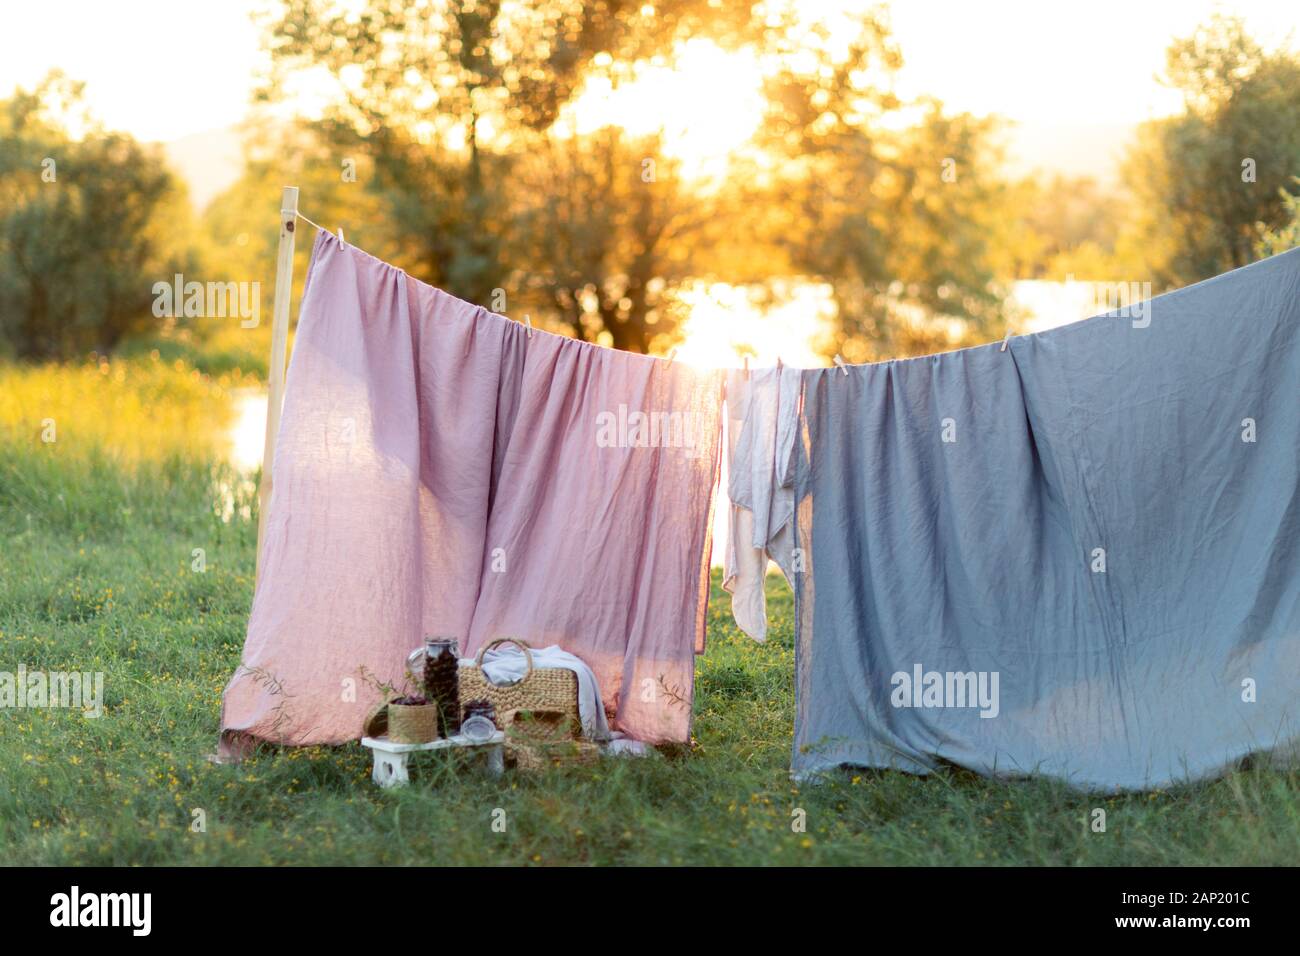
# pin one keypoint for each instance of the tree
(1208, 183)
(442, 94)
(606, 227)
(82, 233)
(458, 107)
(1063, 227)
(903, 219)
(1286, 236)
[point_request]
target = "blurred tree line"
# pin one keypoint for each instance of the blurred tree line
(453, 113)
(445, 147)
(87, 225)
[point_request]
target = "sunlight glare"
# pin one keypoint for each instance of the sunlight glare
(729, 322)
(708, 103)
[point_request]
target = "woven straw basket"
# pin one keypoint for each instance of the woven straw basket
(540, 689)
(376, 722)
(545, 739)
(412, 723)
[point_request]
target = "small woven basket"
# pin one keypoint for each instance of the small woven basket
(540, 689)
(412, 723)
(536, 740)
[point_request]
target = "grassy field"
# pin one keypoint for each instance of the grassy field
(99, 529)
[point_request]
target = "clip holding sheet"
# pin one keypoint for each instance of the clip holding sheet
(840, 363)
(1005, 340)
(529, 324)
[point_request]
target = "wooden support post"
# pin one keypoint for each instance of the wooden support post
(279, 344)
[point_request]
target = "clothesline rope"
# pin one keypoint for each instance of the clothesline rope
(310, 222)
(318, 225)
(528, 322)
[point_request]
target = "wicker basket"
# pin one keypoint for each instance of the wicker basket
(412, 723)
(376, 722)
(545, 739)
(540, 689)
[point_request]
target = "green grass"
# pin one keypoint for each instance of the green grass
(96, 575)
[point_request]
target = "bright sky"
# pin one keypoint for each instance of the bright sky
(159, 69)
(163, 69)
(1053, 62)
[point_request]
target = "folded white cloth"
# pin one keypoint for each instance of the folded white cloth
(506, 663)
(621, 745)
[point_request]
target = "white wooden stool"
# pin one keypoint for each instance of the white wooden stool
(390, 758)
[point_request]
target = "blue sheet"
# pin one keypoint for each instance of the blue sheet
(1077, 557)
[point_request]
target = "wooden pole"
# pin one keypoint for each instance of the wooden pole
(279, 344)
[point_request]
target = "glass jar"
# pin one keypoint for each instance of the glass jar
(442, 681)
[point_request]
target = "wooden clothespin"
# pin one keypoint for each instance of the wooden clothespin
(529, 322)
(672, 355)
(341, 239)
(747, 368)
(840, 362)
(1005, 340)
(778, 363)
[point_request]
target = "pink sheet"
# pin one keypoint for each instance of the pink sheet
(439, 471)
